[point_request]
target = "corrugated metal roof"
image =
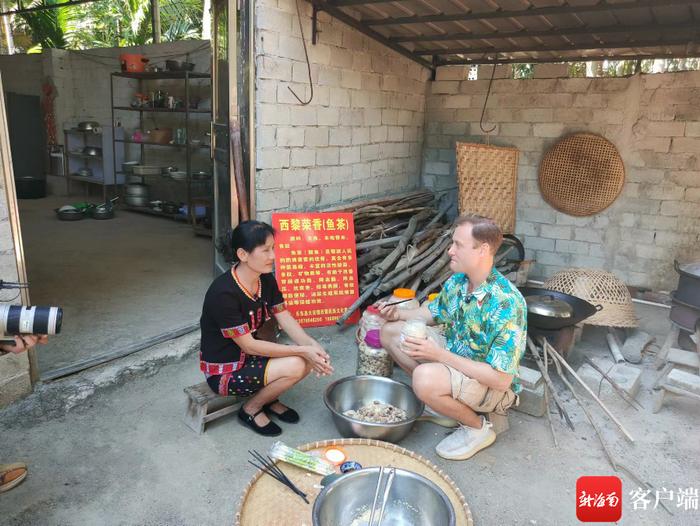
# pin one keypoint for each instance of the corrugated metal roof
(439, 32)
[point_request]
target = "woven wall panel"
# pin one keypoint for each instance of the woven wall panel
(487, 181)
(582, 174)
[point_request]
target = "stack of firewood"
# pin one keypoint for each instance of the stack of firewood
(401, 242)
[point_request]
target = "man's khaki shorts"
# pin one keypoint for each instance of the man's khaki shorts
(480, 398)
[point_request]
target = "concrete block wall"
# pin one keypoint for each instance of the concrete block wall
(22, 73)
(362, 133)
(653, 120)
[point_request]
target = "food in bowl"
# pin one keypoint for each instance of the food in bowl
(378, 413)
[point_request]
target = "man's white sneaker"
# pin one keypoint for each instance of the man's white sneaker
(466, 441)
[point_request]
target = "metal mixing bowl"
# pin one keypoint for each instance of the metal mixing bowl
(355, 392)
(413, 499)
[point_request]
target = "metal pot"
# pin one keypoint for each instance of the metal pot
(136, 190)
(354, 392)
(688, 290)
(92, 151)
(178, 65)
(684, 315)
(88, 125)
(135, 200)
(102, 212)
(84, 172)
(581, 309)
(549, 306)
(69, 214)
(347, 499)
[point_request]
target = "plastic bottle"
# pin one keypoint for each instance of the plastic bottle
(407, 296)
(372, 358)
(370, 320)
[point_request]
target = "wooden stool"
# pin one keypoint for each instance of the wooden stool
(205, 406)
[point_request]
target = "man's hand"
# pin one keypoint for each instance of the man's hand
(388, 312)
(423, 349)
(318, 358)
(24, 342)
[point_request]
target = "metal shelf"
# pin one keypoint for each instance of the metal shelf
(92, 180)
(156, 75)
(84, 156)
(188, 148)
(167, 145)
(162, 110)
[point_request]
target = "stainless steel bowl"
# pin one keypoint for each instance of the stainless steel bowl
(355, 392)
(92, 151)
(413, 499)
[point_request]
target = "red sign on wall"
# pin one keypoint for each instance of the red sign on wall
(316, 265)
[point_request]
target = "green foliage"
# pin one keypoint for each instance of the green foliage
(109, 23)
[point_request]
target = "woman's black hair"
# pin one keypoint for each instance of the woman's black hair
(248, 235)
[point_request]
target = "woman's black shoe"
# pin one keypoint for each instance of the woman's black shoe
(289, 415)
(269, 430)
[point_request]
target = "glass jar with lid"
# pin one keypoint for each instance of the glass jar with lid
(372, 358)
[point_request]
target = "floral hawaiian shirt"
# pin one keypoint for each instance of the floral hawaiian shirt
(487, 325)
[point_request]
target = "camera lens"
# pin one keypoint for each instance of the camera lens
(18, 319)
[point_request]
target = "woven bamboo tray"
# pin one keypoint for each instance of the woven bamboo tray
(582, 174)
(266, 502)
(487, 178)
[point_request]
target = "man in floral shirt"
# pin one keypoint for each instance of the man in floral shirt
(474, 369)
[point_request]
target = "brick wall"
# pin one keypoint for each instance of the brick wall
(653, 120)
(362, 133)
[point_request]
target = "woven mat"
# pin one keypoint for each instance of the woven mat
(487, 179)
(582, 174)
(599, 288)
(266, 502)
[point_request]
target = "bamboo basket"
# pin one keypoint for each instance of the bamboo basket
(582, 174)
(599, 288)
(487, 179)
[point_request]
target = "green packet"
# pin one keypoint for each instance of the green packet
(280, 451)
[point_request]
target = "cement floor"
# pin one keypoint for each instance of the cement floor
(118, 281)
(125, 457)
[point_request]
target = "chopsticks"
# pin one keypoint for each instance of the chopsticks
(268, 466)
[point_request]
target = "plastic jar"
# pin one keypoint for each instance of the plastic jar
(407, 296)
(415, 328)
(372, 358)
(370, 320)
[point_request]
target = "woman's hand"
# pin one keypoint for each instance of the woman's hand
(318, 358)
(388, 312)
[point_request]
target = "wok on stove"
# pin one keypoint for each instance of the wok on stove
(580, 309)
